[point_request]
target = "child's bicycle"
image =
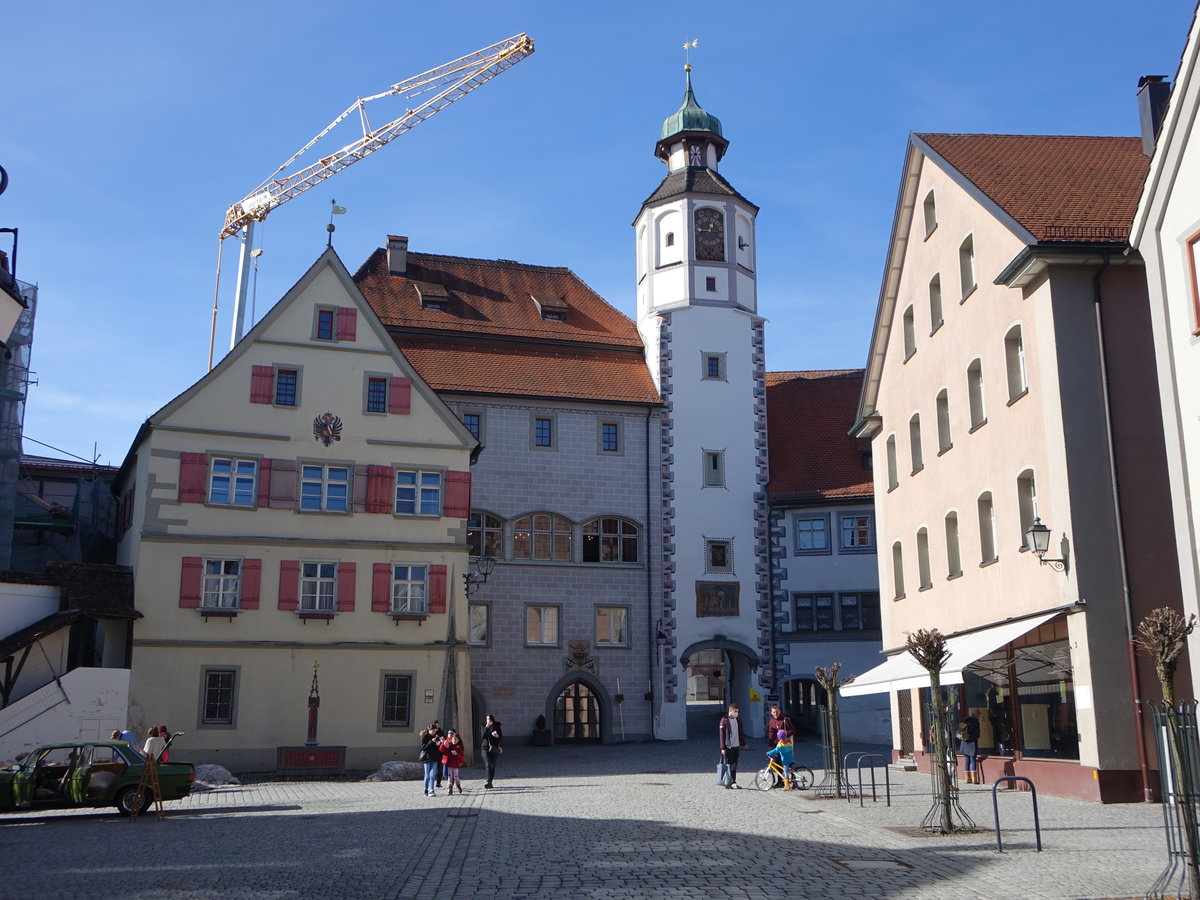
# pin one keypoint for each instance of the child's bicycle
(773, 776)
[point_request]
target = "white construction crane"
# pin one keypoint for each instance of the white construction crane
(448, 82)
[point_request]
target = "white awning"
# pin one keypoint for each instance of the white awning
(901, 672)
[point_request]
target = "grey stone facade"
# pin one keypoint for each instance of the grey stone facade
(576, 480)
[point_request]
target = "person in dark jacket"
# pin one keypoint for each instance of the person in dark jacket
(430, 757)
(731, 736)
(779, 722)
(968, 747)
(489, 745)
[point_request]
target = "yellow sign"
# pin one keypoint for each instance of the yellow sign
(755, 696)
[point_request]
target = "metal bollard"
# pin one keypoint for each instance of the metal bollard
(1037, 828)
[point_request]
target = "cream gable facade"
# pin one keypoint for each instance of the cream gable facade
(1166, 231)
(985, 402)
(228, 658)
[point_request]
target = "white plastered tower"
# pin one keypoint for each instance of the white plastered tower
(697, 315)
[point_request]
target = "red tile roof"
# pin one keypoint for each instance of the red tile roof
(492, 339)
(492, 297)
(812, 458)
(1061, 188)
(529, 370)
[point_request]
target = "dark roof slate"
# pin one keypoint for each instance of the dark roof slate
(694, 179)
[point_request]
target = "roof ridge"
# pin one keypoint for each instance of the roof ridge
(975, 134)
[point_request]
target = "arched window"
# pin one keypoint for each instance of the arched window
(953, 560)
(898, 570)
(485, 534)
(930, 209)
(966, 266)
(893, 479)
(542, 536)
(987, 528)
(975, 393)
(935, 303)
(943, 421)
(914, 443)
(670, 239)
(1014, 361)
(1026, 501)
(610, 539)
(910, 333)
(923, 558)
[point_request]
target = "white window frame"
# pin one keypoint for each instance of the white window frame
(314, 576)
(547, 617)
(422, 491)
(410, 589)
(612, 626)
(328, 485)
(234, 478)
(221, 589)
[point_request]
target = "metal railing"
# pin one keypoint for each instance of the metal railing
(860, 758)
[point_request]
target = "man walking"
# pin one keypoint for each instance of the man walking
(779, 722)
(732, 740)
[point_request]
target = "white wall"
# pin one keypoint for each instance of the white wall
(90, 704)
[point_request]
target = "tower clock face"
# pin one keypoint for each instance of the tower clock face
(710, 234)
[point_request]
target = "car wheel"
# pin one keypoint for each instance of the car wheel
(130, 798)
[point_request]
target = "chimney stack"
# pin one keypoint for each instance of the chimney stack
(397, 253)
(1153, 93)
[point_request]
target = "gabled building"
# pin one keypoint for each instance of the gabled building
(302, 504)
(1010, 385)
(1166, 231)
(824, 574)
(551, 380)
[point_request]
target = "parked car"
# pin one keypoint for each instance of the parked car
(89, 773)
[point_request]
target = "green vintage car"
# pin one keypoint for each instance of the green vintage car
(88, 773)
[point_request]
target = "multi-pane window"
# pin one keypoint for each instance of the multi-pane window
(542, 536)
(408, 589)
(325, 488)
(718, 556)
(812, 534)
(222, 583)
(418, 493)
(612, 625)
(860, 611)
(858, 531)
(325, 324)
(479, 615)
(232, 481)
(219, 694)
(287, 383)
(377, 395)
(713, 366)
(1014, 360)
(318, 582)
(485, 535)
(610, 540)
(474, 423)
(814, 612)
(541, 625)
(396, 701)
(543, 432)
(610, 437)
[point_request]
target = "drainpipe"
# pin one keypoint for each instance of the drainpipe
(1139, 711)
(652, 648)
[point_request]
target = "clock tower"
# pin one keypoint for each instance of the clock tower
(697, 315)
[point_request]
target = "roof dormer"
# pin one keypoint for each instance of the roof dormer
(433, 296)
(552, 309)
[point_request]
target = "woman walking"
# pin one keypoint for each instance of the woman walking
(489, 745)
(431, 757)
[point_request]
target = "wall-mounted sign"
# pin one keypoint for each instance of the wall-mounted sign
(716, 598)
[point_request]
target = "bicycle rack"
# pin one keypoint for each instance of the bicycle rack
(861, 758)
(1037, 828)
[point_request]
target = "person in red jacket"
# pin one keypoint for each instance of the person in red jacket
(453, 756)
(779, 722)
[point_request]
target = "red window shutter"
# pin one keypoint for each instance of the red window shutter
(358, 489)
(379, 489)
(262, 384)
(400, 396)
(347, 323)
(251, 582)
(283, 484)
(458, 495)
(189, 582)
(437, 589)
(263, 500)
(289, 584)
(381, 587)
(193, 473)
(345, 587)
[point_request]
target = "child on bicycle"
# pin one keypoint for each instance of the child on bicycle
(782, 752)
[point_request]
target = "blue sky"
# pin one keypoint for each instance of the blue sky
(129, 128)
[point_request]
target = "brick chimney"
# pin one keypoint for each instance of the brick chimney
(1153, 93)
(397, 252)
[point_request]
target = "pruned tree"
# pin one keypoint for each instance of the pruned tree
(829, 679)
(1162, 636)
(928, 648)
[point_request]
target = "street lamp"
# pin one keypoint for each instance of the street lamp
(479, 576)
(1037, 539)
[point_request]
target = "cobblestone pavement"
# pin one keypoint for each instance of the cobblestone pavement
(623, 821)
